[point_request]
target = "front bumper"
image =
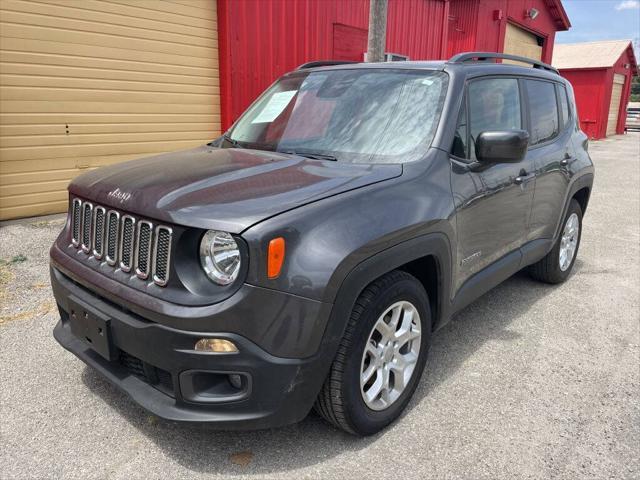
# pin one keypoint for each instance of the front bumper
(156, 365)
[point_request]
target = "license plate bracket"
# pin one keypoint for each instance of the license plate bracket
(91, 326)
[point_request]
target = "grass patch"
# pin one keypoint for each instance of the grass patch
(13, 260)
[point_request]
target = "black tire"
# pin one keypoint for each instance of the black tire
(340, 401)
(548, 269)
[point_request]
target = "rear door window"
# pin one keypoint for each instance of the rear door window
(494, 104)
(543, 111)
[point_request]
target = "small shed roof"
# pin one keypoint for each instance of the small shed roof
(591, 54)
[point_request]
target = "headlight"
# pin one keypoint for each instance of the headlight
(220, 257)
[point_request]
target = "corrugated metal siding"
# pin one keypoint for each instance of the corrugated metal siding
(589, 90)
(415, 28)
(463, 21)
(85, 84)
(266, 39)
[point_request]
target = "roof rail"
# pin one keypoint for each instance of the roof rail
(323, 63)
(489, 56)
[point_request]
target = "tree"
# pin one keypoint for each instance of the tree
(635, 89)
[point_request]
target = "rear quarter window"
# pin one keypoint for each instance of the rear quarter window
(543, 111)
(564, 105)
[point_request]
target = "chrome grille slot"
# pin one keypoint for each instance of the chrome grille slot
(99, 215)
(162, 255)
(87, 217)
(76, 221)
(143, 249)
(127, 242)
(113, 227)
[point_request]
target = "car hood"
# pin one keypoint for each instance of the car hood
(225, 189)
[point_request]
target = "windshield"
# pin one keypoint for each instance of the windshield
(363, 115)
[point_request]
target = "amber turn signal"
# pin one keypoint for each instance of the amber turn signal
(275, 257)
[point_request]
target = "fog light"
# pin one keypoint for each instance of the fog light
(235, 380)
(217, 345)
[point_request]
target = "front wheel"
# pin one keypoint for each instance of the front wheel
(557, 265)
(381, 356)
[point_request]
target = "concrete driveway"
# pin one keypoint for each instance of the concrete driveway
(531, 381)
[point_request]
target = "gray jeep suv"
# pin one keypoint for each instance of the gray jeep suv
(305, 258)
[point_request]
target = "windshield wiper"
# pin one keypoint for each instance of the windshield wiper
(312, 155)
(234, 143)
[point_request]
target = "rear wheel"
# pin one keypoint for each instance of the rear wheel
(381, 356)
(557, 265)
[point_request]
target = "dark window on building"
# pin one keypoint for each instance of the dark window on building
(564, 105)
(494, 104)
(461, 137)
(543, 109)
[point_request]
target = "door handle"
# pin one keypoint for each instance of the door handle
(523, 177)
(564, 162)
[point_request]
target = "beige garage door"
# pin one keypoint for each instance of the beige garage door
(86, 83)
(518, 41)
(614, 106)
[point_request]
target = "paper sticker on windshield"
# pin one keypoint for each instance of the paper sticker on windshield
(274, 107)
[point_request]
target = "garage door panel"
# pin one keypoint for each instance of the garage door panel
(68, 74)
(519, 41)
(95, 84)
(43, 208)
(133, 13)
(47, 176)
(81, 164)
(55, 46)
(100, 21)
(98, 139)
(91, 83)
(67, 25)
(190, 10)
(31, 94)
(32, 188)
(614, 104)
(119, 68)
(28, 131)
(99, 40)
(12, 106)
(62, 151)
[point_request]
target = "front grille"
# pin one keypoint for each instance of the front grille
(126, 243)
(76, 221)
(87, 214)
(98, 232)
(162, 255)
(113, 227)
(157, 377)
(143, 248)
(122, 240)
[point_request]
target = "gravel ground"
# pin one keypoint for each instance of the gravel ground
(530, 381)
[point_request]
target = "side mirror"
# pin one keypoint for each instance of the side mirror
(503, 146)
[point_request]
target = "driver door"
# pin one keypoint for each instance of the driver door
(493, 201)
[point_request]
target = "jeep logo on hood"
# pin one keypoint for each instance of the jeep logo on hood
(119, 195)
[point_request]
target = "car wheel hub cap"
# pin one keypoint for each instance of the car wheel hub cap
(569, 241)
(390, 355)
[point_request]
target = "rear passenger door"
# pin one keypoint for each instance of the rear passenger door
(493, 200)
(550, 150)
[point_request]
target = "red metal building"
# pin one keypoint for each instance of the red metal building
(601, 74)
(259, 40)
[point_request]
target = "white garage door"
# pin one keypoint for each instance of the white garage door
(86, 83)
(614, 106)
